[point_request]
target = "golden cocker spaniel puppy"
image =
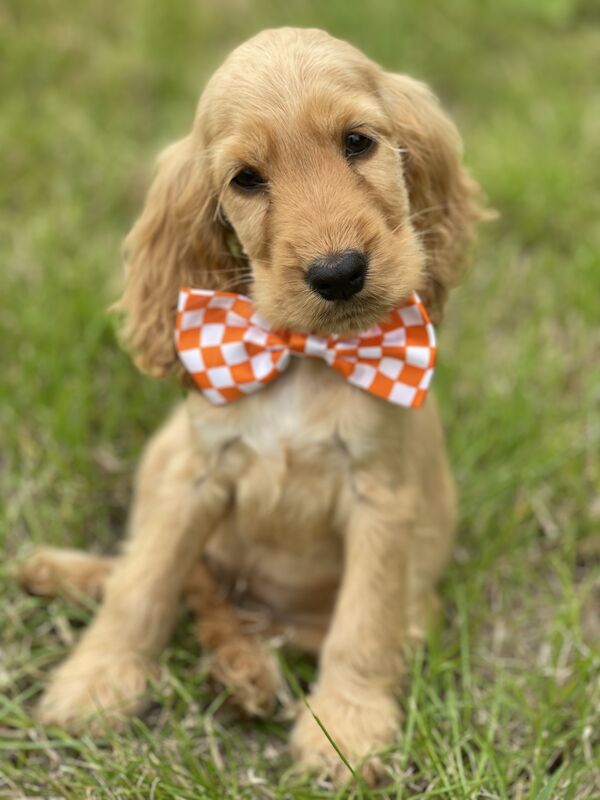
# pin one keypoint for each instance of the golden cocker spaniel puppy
(328, 190)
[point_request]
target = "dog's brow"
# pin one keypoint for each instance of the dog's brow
(250, 146)
(335, 115)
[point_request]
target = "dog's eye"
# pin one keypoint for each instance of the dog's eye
(248, 180)
(357, 144)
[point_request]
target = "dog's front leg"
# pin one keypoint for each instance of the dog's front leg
(173, 516)
(362, 657)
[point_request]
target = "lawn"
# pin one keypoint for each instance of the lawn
(504, 702)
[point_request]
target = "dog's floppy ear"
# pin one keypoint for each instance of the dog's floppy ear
(444, 199)
(177, 241)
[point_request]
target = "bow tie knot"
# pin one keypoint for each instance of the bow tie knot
(231, 351)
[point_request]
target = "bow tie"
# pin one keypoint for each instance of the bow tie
(231, 351)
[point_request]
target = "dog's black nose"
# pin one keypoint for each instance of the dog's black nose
(339, 276)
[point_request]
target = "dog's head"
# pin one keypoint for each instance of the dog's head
(314, 181)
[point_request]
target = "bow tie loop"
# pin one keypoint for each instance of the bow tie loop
(231, 351)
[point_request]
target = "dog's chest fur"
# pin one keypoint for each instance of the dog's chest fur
(292, 448)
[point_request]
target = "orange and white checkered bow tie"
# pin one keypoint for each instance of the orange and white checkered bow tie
(231, 351)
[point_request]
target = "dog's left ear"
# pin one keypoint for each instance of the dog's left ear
(444, 199)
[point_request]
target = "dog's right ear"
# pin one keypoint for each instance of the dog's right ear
(177, 241)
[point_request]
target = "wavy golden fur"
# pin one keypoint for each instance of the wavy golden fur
(323, 512)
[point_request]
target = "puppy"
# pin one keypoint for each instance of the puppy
(329, 192)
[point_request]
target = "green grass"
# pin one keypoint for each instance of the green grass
(505, 700)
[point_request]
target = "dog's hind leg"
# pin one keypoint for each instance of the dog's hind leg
(64, 572)
(238, 659)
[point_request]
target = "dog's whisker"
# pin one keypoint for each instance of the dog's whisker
(242, 269)
(235, 282)
(429, 210)
(416, 215)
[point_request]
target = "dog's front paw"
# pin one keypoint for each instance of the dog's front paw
(110, 686)
(360, 727)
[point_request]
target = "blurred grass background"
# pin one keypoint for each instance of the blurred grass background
(505, 701)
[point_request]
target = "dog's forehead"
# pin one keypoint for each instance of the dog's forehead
(285, 53)
(283, 75)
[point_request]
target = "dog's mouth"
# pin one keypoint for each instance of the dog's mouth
(325, 318)
(297, 307)
(387, 285)
(351, 317)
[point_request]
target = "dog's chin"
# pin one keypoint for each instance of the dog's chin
(349, 317)
(344, 318)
